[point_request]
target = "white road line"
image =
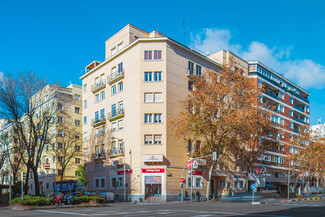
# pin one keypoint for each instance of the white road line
(66, 213)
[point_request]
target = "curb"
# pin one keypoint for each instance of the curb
(54, 207)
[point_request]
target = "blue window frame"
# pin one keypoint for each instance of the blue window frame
(97, 116)
(148, 76)
(157, 76)
(113, 110)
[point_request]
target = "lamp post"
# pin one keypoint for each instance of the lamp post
(124, 183)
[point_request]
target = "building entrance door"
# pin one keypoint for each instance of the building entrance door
(153, 188)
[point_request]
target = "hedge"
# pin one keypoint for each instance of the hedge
(86, 199)
(32, 201)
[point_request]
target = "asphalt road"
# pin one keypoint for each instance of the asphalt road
(202, 209)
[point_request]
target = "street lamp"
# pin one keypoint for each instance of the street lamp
(124, 183)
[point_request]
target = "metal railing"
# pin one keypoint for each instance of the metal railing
(114, 76)
(98, 85)
(298, 120)
(116, 151)
(98, 121)
(298, 108)
(115, 113)
(271, 94)
(98, 155)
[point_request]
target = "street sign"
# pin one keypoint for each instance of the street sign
(189, 165)
(195, 164)
(182, 180)
(253, 186)
(214, 156)
(301, 175)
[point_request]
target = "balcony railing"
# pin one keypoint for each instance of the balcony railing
(298, 108)
(298, 120)
(115, 77)
(271, 95)
(296, 130)
(99, 121)
(116, 152)
(119, 113)
(98, 155)
(98, 85)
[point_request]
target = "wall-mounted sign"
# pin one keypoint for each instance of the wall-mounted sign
(121, 172)
(153, 170)
(153, 158)
(46, 165)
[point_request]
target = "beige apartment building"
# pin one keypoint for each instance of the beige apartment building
(128, 100)
(64, 104)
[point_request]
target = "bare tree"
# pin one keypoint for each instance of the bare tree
(29, 109)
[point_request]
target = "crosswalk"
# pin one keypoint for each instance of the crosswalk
(153, 213)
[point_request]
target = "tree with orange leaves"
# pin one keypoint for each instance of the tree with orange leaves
(223, 112)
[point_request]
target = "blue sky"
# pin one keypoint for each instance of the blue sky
(59, 38)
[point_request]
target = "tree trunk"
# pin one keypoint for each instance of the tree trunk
(26, 182)
(209, 182)
(61, 178)
(36, 180)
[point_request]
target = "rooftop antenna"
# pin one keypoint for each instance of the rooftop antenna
(319, 120)
(184, 31)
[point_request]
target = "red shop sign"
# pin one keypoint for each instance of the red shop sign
(153, 170)
(121, 172)
(197, 173)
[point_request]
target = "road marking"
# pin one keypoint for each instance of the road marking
(67, 213)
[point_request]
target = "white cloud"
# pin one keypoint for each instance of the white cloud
(305, 72)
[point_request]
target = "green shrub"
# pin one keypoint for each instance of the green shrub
(87, 199)
(32, 201)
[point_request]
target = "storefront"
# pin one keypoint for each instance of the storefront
(152, 184)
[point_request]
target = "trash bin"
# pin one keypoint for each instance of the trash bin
(180, 196)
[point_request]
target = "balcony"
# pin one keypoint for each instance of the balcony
(98, 86)
(298, 120)
(119, 113)
(116, 152)
(97, 122)
(298, 108)
(112, 78)
(98, 155)
(271, 95)
(296, 130)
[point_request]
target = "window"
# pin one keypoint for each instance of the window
(77, 122)
(102, 130)
(113, 89)
(78, 148)
(158, 97)
(291, 125)
(281, 121)
(77, 110)
(113, 50)
(85, 119)
(85, 88)
(102, 95)
(60, 106)
(114, 72)
(148, 76)
(157, 76)
(291, 100)
(96, 98)
(281, 108)
(281, 95)
(148, 139)
(102, 113)
(147, 118)
(60, 120)
(99, 182)
(77, 161)
(148, 97)
(120, 86)
(113, 126)
(190, 85)
(120, 106)
(120, 46)
(198, 70)
(77, 97)
(61, 133)
(306, 108)
(190, 67)
(222, 184)
(157, 118)
(235, 184)
(157, 139)
(291, 113)
(120, 124)
(120, 67)
(117, 182)
(157, 54)
(197, 182)
(85, 104)
(148, 55)
(85, 136)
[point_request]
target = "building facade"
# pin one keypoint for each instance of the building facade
(128, 101)
(290, 107)
(65, 136)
